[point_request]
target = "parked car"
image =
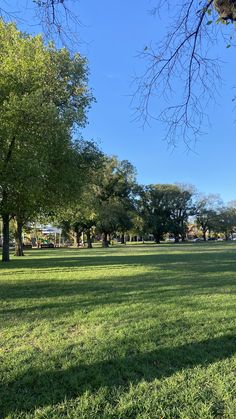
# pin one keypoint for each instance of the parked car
(170, 240)
(47, 245)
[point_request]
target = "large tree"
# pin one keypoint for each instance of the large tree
(206, 213)
(115, 192)
(43, 99)
(155, 209)
(225, 221)
(166, 209)
(182, 207)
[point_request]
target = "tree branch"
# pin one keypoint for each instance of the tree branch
(183, 55)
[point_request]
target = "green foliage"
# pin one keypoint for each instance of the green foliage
(115, 192)
(225, 221)
(43, 100)
(165, 209)
(212, 215)
(79, 213)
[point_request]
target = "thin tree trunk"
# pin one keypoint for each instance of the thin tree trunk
(78, 236)
(89, 240)
(18, 238)
(105, 242)
(123, 238)
(6, 238)
(204, 235)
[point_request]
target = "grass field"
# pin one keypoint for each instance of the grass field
(133, 332)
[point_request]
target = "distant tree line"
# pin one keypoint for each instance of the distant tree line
(113, 205)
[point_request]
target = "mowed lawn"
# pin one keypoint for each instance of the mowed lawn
(126, 332)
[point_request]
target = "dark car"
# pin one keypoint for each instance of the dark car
(47, 245)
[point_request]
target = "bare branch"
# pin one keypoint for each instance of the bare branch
(183, 58)
(58, 19)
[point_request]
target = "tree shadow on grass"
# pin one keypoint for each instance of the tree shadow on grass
(197, 258)
(38, 388)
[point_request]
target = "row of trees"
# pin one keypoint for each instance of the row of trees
(116, 205)
(109, 202)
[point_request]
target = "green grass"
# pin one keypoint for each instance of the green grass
(132, 332)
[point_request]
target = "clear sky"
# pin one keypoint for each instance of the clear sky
(112, 34)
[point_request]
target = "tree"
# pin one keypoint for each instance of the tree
(79, 214)
(114, 197)
(182, 207)
(206, 213)
(155, 210)
(185, 53)
(225, 221)
(44, 97)
(106, 202)
(79, 219)
(166, 209)
(55, 192)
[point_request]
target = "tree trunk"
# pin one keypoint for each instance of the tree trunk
(89, 240)
(5, 247)
(204, 235)
(123, 238)
(105, 242)
(18, 238)
(156, 238)
(177, 239)
(78, 236)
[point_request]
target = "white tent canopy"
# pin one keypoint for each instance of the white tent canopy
(48, 229)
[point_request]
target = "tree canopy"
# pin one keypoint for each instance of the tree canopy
(44, 98)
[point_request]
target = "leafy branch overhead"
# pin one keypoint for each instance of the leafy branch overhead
(185, 56)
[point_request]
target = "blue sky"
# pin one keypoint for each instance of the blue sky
(111, 36)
